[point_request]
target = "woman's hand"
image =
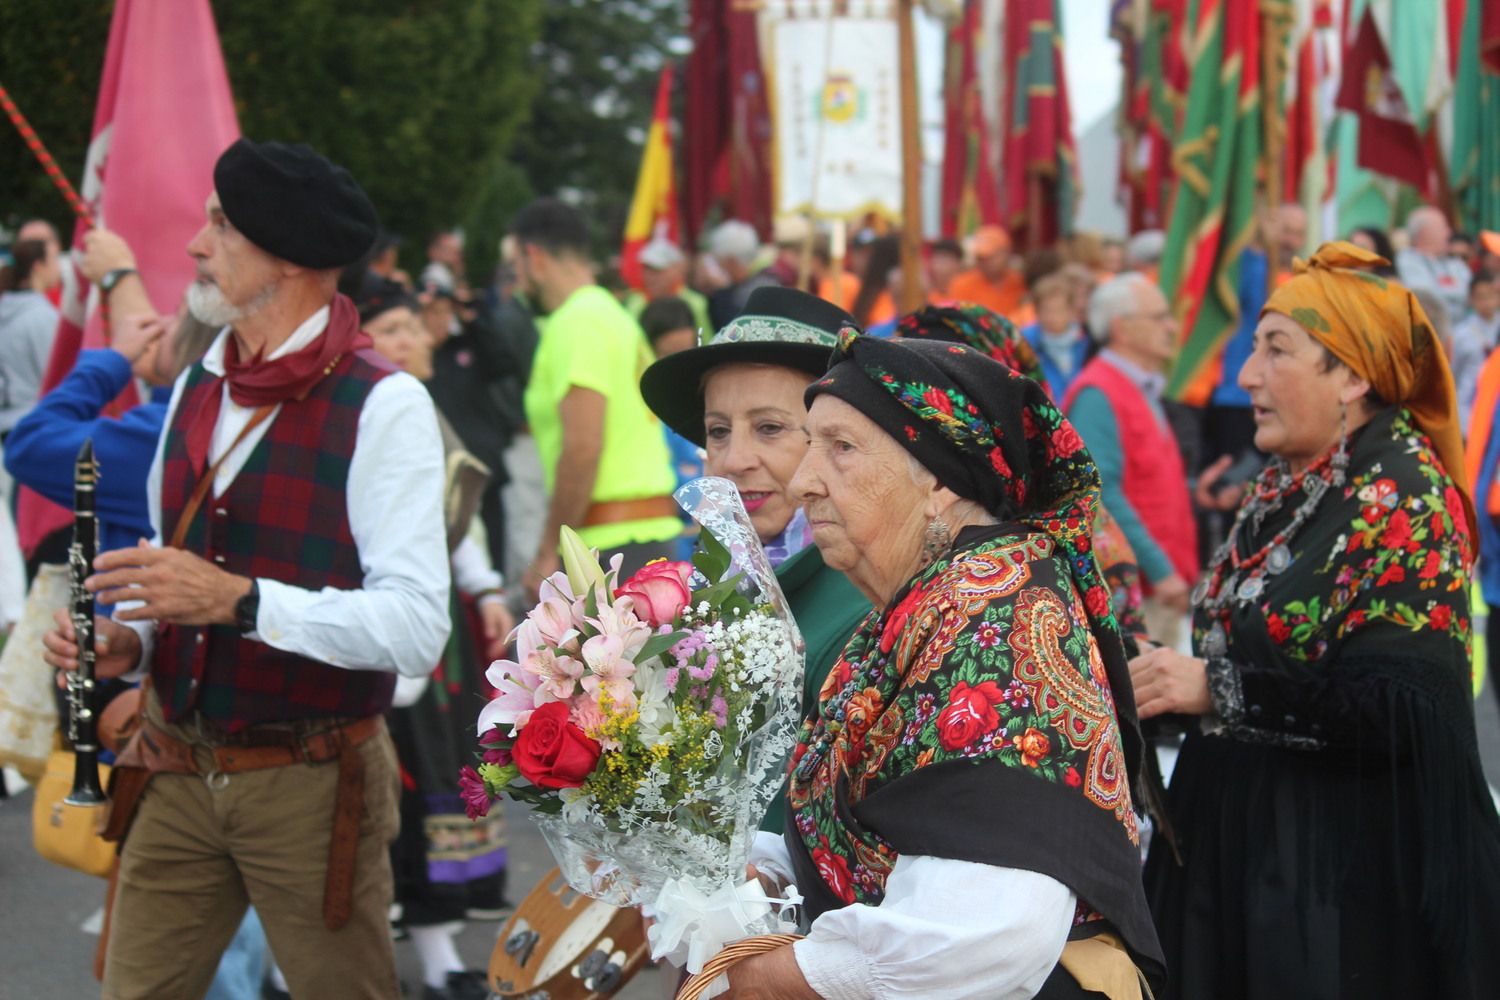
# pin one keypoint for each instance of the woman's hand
(1166, 681)
(772, 976)
(497, 622)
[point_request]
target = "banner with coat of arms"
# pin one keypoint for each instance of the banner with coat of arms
(835, 106)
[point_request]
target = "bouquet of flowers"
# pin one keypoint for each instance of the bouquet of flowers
(649, 722)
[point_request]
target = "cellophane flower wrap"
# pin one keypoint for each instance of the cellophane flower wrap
(649, 722)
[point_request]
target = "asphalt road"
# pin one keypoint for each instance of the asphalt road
(46, 955)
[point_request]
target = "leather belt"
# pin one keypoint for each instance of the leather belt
(153, 750)
(620, 511)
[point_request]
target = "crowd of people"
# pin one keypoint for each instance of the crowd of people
(1018, 567)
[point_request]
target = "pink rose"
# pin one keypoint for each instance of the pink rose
(659, 591)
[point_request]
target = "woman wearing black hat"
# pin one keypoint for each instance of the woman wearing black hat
(740, 398)
(962, 823)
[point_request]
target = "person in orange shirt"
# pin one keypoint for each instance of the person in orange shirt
(992, 282)
(839, 288)
(876, 304)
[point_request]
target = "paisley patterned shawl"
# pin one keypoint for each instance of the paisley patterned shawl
(973, 719)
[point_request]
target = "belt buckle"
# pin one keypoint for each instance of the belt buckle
(335, 733)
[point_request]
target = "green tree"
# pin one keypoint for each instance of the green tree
(598, 62)
(421, 101)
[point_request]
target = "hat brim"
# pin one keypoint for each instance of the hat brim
(673, 386)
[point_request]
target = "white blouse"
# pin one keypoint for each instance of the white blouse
(946, 930)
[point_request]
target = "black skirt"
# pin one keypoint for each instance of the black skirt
(1302, 879)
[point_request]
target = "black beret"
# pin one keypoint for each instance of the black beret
(293, 203)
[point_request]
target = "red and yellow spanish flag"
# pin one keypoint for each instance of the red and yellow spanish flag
(653, 209)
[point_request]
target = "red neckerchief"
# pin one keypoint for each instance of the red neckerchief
(258, 382)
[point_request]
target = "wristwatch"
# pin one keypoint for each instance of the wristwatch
(111, 279)
(247, 608)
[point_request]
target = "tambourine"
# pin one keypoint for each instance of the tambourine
(559, 945)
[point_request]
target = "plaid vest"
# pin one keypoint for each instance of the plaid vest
(283, 518)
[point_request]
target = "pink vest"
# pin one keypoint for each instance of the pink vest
(1155, 483)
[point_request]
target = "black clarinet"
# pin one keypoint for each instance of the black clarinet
(83, 718)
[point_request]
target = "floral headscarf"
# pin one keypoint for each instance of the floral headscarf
(1378, 328)
(982, 329)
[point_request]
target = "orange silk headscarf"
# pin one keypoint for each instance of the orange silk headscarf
(1378, 328)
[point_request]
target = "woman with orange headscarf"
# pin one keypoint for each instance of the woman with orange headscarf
(1335, 835)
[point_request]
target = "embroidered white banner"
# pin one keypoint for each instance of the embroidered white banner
(835, 105)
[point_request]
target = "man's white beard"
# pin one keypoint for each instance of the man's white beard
(209, 307)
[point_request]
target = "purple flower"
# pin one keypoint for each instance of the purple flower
(491, 737)
(672, 674)
(471, 788)
(720, 708)
(500, 756)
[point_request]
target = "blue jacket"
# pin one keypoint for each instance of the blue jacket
(1238, 348)
(1057, 382)
(1489, 533)
(40, 451)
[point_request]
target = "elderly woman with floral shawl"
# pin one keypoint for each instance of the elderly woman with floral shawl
(1336, 838)
(961, 815)
(993, 334)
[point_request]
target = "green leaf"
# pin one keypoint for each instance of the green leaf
(712, 558)
(658, 644)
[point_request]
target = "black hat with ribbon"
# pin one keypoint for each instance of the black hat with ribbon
(780, 326)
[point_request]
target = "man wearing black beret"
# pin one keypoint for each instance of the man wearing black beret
(298, 565)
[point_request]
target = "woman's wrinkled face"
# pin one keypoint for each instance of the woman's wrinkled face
(753, 432)
(1296, 398)
(866, 510)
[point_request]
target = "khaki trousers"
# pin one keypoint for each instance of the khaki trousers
(196, 856)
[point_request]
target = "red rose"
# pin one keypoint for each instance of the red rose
(970, 714)
(834, 871)
(938, 400)
(1278, 629)
(1397, 531)
(1441, 617)
(899, 617)
(1096, 599)
(1072, 777)
(1393, 574)
(1455, 504)
(1034, 746)
(1433, 562)
(1065, 440)
(659, 591)
(552, 752)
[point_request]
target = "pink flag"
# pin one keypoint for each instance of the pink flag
(164, 116)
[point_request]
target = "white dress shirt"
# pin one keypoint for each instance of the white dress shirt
(398, 620)
(946, 930)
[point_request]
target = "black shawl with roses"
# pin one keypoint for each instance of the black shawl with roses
(973, 719)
